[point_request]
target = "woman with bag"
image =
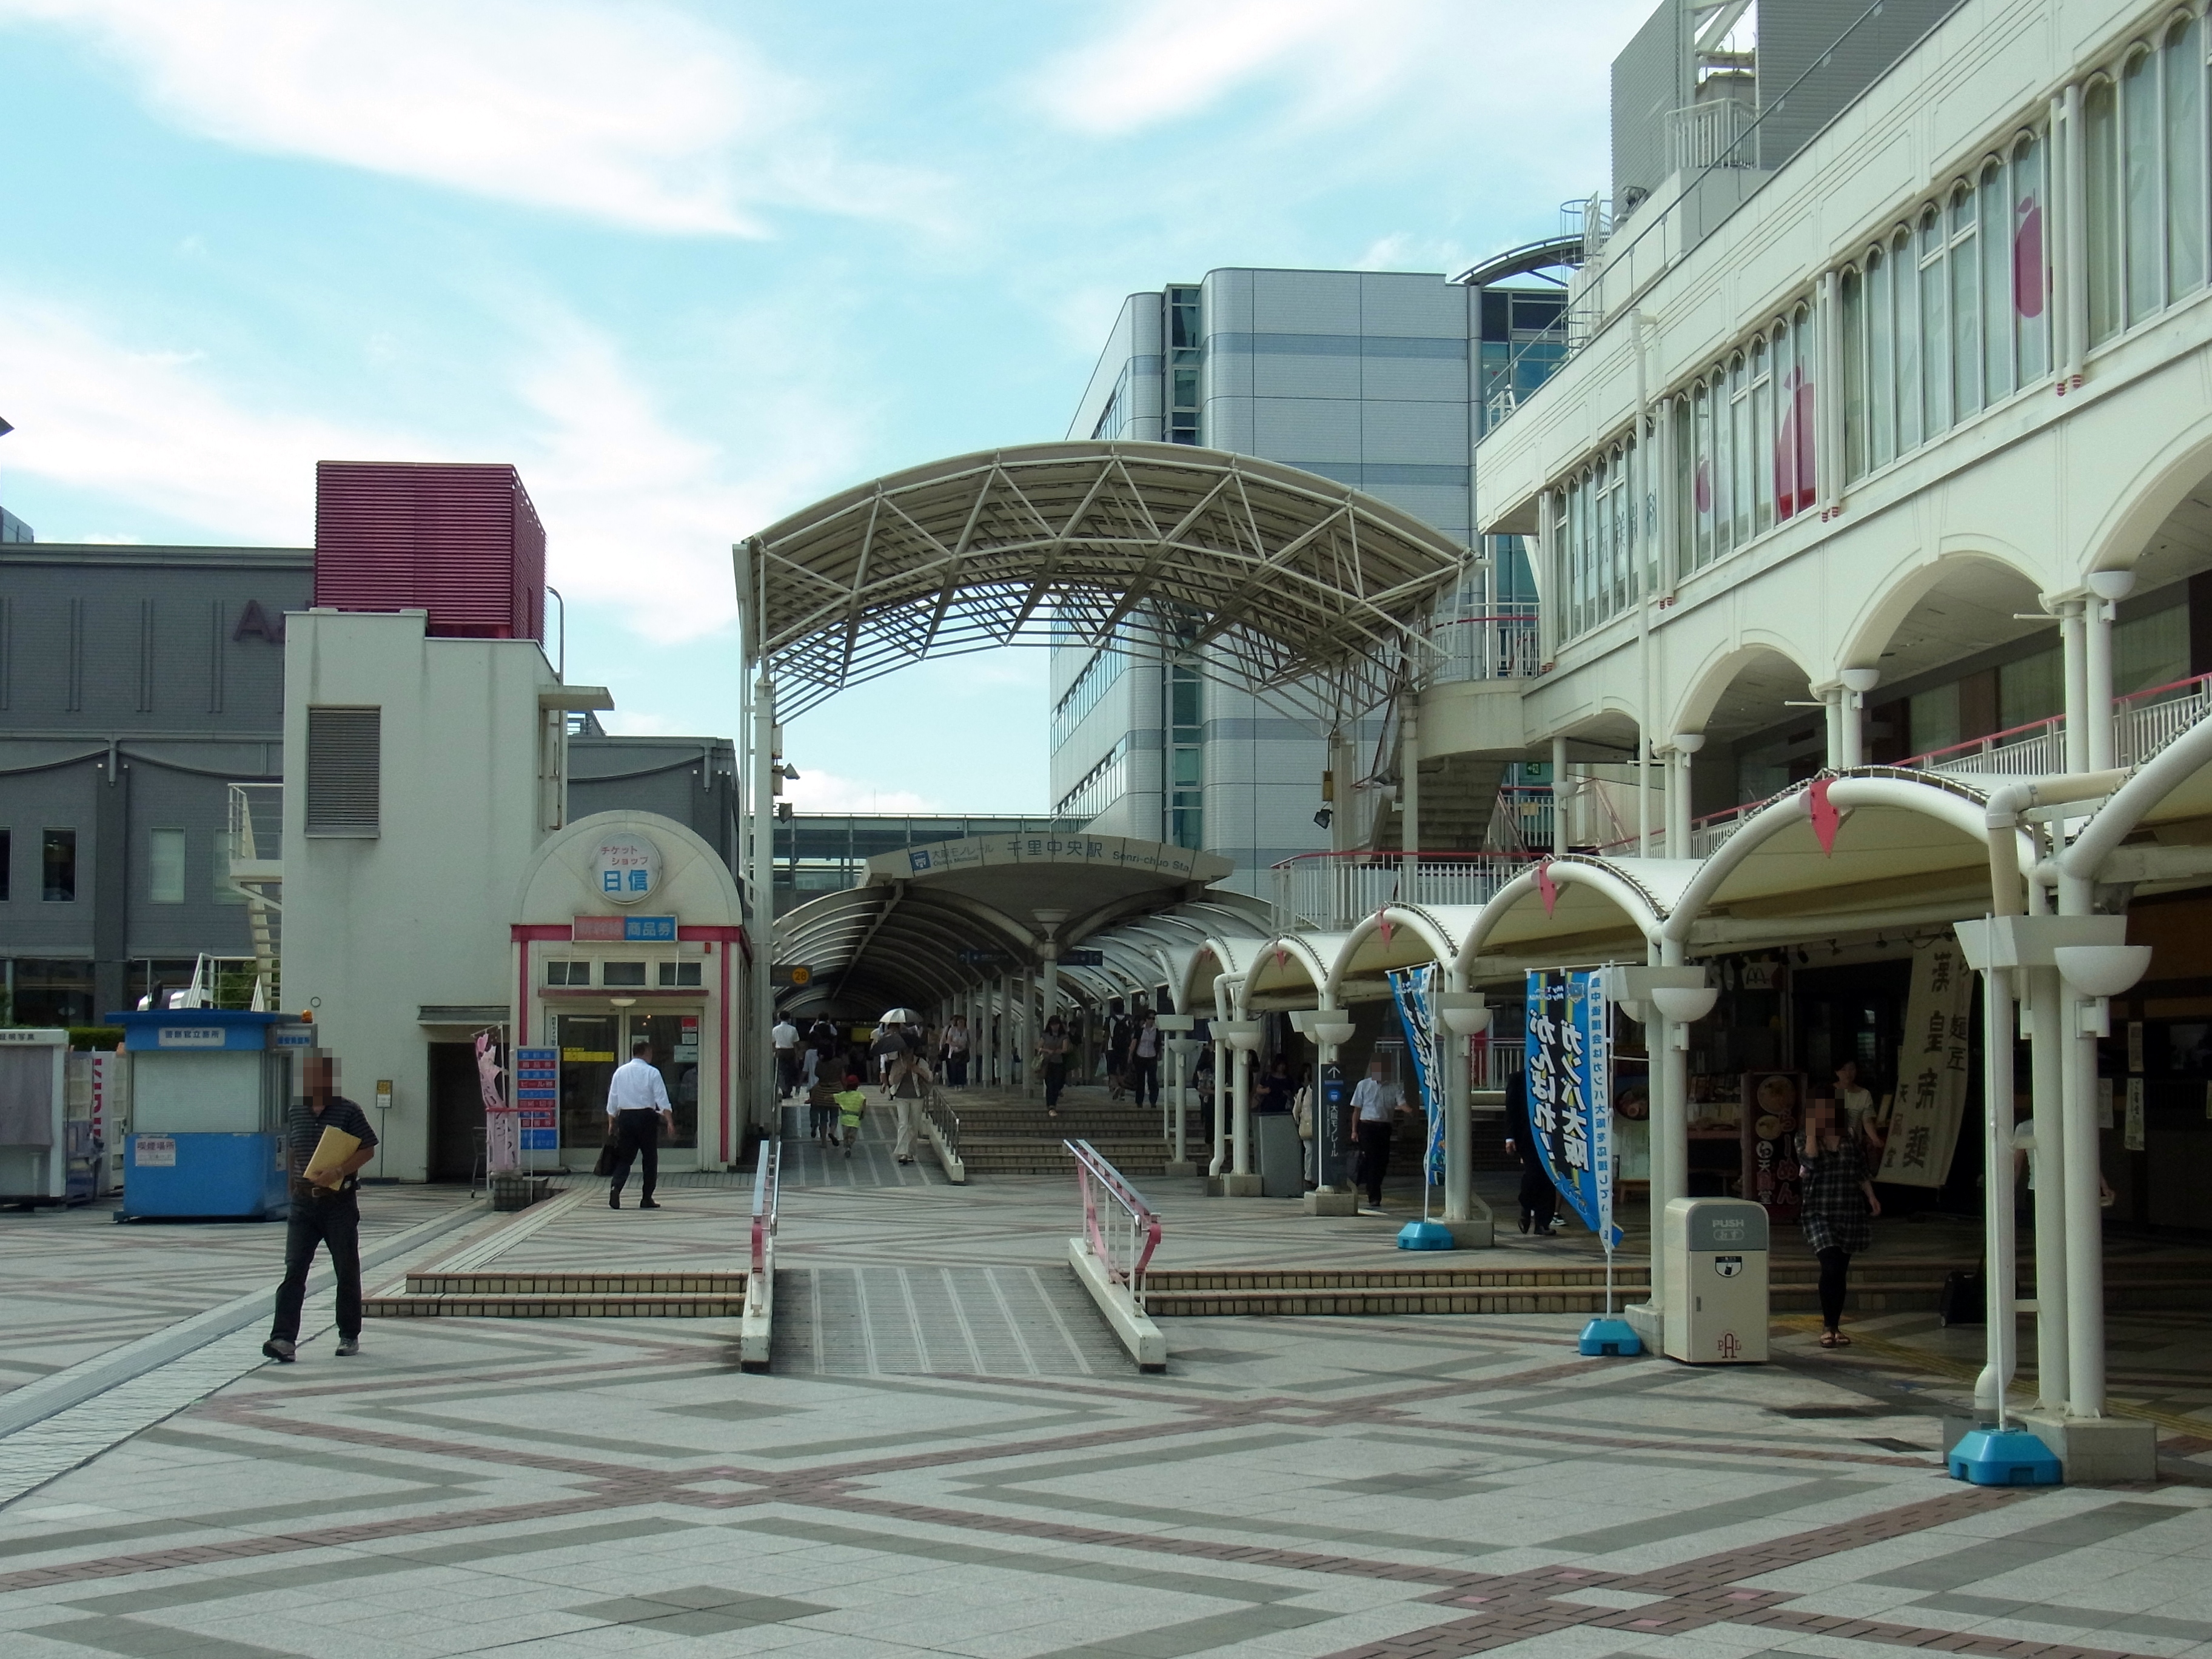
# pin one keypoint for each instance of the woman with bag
(1836, 1203)
(1052, 1056)
(907, 1082)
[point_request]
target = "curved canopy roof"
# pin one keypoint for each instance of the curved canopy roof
(927, 921)
(1292, 584)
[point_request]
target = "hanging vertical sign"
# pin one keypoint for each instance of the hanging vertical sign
(1931, 1069)
(1569, 1063)
(1410, 988)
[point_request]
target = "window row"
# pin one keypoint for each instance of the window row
(1098, 677)
(1098, 788)
(622, 976)
(2144, 144)
(57, 866)
(1949, 314)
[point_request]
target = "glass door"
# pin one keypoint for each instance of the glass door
(587, 1061)
(674, 1040)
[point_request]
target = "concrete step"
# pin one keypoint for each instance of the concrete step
(519, 1294)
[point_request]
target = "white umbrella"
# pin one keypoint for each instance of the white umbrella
(901, 1016)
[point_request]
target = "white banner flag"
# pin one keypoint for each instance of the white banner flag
(1931, 1069)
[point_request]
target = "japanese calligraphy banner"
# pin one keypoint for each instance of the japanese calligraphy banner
(1410, 988)
(1931, 1069)
(1569, 1059)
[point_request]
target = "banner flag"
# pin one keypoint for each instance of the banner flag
(1411, 987)
(1931, 1069)
(1569, 1059)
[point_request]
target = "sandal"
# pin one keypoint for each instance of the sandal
(1833, 1340)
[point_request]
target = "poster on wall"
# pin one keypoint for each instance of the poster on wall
(1773, 1111)
(1410, 989)
(1568, 1055)
(1931, 1069)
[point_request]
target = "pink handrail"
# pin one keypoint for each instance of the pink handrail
(767, 1181)
(1094, 1174)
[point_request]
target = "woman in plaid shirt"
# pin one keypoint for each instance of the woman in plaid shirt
(1836, 1205)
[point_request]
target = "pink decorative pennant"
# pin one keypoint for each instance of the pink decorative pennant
(1826, 820)
(1546, 887)
(1383, 923)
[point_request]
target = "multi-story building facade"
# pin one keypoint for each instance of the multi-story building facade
(1381, 380)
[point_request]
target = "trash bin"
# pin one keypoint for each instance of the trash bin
(1282, 1155)
(1714, 1272)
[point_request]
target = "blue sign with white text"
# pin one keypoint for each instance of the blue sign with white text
(649, 930)
(1569, 1061)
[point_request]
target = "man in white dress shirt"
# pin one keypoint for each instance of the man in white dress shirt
(785, 1036)
(637, 1111)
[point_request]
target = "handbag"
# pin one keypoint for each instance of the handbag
(609, 1155)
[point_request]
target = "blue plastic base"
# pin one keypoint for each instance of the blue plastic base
(2008, 1457)
(1610, 1336)
(1425, 1236)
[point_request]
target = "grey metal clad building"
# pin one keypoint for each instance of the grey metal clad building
(1377, 379)
(136, 684)
(13, 529)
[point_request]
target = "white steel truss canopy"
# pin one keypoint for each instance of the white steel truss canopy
(1278, 581)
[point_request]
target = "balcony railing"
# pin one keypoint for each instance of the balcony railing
(1501, 644)
(1332, 891)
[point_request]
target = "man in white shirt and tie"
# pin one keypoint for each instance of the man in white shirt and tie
(637, 1110)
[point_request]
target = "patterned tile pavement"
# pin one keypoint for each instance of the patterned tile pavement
(950, 1458)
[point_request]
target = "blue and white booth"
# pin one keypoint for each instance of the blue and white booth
(211, 1087)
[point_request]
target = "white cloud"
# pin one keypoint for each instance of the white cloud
(1170, 61)
(825, 792)
(632, 113)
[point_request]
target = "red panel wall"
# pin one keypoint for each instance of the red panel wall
(462, 542)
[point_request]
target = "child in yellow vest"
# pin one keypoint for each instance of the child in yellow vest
(852, 1101)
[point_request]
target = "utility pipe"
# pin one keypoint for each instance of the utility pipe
(2078, 711)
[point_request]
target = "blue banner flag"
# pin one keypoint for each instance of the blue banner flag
(1569, 1079)
(1411, 987)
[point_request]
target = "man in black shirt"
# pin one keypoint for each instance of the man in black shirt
(325, 1211)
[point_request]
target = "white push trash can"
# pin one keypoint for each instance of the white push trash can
(1715, 1256)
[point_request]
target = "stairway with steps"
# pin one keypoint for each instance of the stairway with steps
(1458, 795)
(525, 1295)
(1008, 1134)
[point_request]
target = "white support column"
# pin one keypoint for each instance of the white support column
(1558, 795)
(1838, 704)
(1459, 1127)
(2108, 588)
(1219, 1163)
(2048, 1051)
(1002, 1045)
(1999, 1248)
(1409, 790)
(2079, 711)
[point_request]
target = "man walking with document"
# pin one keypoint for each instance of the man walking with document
(327, 1142)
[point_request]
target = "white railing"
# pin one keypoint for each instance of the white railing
(1121, 1226)
(257, 831)
(1712, 135)
(1501, 644)
(1331, 890)
(768, 1190)
(2033, 751)
(1520, 821)
(2144, 722)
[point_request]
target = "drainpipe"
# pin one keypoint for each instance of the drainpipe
(2073, 245)
(1558, 795)
(2108, 588)
(1637, 322)
(2079, 710)
(1223, 1057)
(1409, 796)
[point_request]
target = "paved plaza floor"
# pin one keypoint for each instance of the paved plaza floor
(951, 1455)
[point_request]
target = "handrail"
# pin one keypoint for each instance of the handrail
(768, 1181)
(1092, 1174)
(1391, 860)
(939, 1113)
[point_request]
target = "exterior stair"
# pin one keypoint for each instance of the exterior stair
(524, 1295)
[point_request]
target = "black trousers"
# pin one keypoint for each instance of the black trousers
(1055, 1079)
(1834, 1265)
(334, 1223)
(1375, 1157)
(1539, 1199)
(956, 1070)
(786, 1069)
(1144, 1081)
(639, 1137)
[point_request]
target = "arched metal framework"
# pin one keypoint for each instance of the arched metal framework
(1285, 583)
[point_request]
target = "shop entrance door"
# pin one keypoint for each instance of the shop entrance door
(592, 1045)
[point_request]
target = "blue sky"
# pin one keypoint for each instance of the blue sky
(692, 267)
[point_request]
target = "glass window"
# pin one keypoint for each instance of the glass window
(2151, 651)
(1786, 436)
(1852, 297)
(1994, 236)
(1907, 295)
(679, 975)
(1934, 327)
(2140, 210)
(1805, 408)
(1683, 448)
(1934, 718)
(560, 972)
(1965, 273)
(1740, 456)
(2033, 689)
(58, 866)
(2101, 192)
(165, 866)
(2031, 266)
(2184, 102)
(613, 975)
(1762, 443)
(1881, 363)
(1701, 487)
